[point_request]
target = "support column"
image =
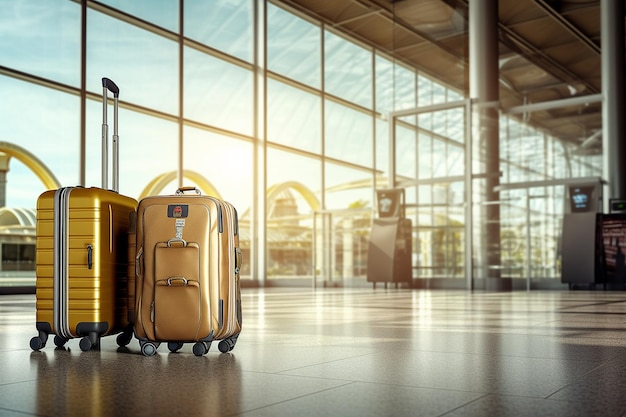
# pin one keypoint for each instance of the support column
(613, 145)
(484, 90)
(259, 250)
(348, 248)
(4, 170)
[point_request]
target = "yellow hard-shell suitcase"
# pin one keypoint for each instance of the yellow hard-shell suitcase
(187, 265)
(82, 257)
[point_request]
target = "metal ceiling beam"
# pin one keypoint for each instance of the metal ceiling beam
(359, 17)
(555, 104)
(571, 28)
(532, 52)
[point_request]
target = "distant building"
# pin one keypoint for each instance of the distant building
(17, 246)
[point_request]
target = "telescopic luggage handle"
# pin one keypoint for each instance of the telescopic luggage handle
(109, 85)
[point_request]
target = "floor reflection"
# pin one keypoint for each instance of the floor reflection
(349, 352)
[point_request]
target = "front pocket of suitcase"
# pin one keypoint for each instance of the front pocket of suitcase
(177, 295)
(177, 311)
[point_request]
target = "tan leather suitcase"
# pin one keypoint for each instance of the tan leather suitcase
(187, 266)
(82, 261)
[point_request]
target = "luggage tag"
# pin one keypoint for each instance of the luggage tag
(178, 212)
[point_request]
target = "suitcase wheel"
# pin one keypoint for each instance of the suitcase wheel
(227, 345)
(59, 341)
(88, 342)
(39, 342)
(36, 343)
(224, 346)
(201, 348)
(174, 346)
(148, 349)
(124, 339)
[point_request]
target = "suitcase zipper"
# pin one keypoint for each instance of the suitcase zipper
(61, 274)
(238, 261)
(233, 274)
(137, 262)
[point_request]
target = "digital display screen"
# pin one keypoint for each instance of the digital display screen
(390, 203)
(618, 206)
(581, 199)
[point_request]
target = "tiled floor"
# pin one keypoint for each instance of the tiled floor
(344, 352)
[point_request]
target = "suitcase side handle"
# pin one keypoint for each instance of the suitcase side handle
(89, 257)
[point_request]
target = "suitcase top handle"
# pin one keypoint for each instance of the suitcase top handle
(182, 190)
(111, 86)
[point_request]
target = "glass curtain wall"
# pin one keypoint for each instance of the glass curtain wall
(205, 85)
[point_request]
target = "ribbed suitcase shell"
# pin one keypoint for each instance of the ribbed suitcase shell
(187, 292)
(82, 254)
(82, 263)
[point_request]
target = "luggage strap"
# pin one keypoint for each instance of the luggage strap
(176, 240)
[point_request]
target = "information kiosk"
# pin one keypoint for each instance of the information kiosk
(390, 245)
(582, 258)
